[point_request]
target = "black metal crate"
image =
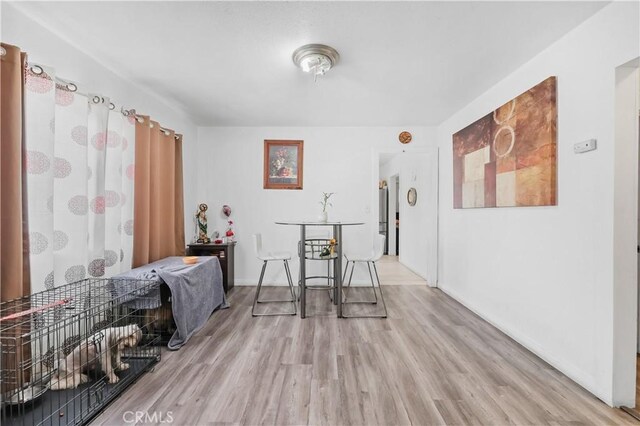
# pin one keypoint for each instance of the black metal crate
(59, 348)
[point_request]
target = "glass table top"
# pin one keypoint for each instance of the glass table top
(318, 223)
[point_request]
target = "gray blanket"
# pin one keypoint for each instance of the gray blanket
(196, 291)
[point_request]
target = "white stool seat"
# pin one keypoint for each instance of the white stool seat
(360, 258)
(278, 255)
(373, 256)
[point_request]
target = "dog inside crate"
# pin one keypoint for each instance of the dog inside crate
(160, 320)
(102, 351)
(78, 346)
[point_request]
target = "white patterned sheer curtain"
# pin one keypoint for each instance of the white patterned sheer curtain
(80, 157)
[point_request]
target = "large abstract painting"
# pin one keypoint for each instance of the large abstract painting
(508, 157)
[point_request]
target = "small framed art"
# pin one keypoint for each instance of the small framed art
(283, 160)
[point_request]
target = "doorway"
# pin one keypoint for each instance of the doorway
(626, 283)
(393, 214)
(628, 123)
(636, 409)
(397, 216)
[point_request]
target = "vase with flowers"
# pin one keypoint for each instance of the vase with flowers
(324, 215)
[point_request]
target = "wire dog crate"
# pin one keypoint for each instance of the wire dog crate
(65, 353)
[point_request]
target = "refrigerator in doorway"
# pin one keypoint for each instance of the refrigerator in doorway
(383, 221)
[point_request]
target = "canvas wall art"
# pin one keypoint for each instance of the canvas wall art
(283, 162)
(508, 157)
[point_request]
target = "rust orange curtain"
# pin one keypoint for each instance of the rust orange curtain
(158, 229)
(14, 241)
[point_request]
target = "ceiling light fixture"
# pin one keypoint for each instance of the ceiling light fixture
(316, 59)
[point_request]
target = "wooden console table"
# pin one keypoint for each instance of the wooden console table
(224, 253)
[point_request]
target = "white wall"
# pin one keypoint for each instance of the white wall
(342, 160)
(544, 275)
(45, 47)
(418, 224)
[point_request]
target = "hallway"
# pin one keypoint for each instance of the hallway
(392, 272)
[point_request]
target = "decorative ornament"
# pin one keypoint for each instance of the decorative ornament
(412, 196)
(201, 219)
(229, 234)
(226, 210)
(405, 137)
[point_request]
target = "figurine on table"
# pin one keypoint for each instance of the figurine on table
(201, 219)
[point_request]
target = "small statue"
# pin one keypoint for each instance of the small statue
(201, 219)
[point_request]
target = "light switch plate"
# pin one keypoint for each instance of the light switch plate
(586, 146)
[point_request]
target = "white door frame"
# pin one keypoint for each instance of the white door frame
(625, 234)
(391, 212)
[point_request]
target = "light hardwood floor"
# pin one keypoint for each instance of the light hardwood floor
(431, 362)
(392, 272)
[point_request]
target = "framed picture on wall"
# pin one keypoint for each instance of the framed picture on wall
(283, 164)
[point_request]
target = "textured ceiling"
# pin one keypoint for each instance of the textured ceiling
(229, 63)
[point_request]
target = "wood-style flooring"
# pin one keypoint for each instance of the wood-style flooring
(431, 362)
(392, 272)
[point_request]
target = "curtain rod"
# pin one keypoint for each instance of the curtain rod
(96, 99)
(139, 118)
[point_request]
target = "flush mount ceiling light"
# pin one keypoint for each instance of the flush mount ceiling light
(316, 59)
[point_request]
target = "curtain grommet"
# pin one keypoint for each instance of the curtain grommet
(112, 106)
(36, 69)
(71, 87)
(3, 51)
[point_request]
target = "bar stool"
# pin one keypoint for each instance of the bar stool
(376, 254)
(267, 257)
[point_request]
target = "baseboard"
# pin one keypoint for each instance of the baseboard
(254, 282)
(577, 375)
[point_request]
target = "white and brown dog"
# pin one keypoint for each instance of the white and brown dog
(103, 348)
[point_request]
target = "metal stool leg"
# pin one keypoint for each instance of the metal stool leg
(384, 305)
(329, 280)
(286, 269)
(291, 289)
(373, 286)
(257, 295)
(257, 300)
(375, 296)
(353, 267)
(383, 315)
